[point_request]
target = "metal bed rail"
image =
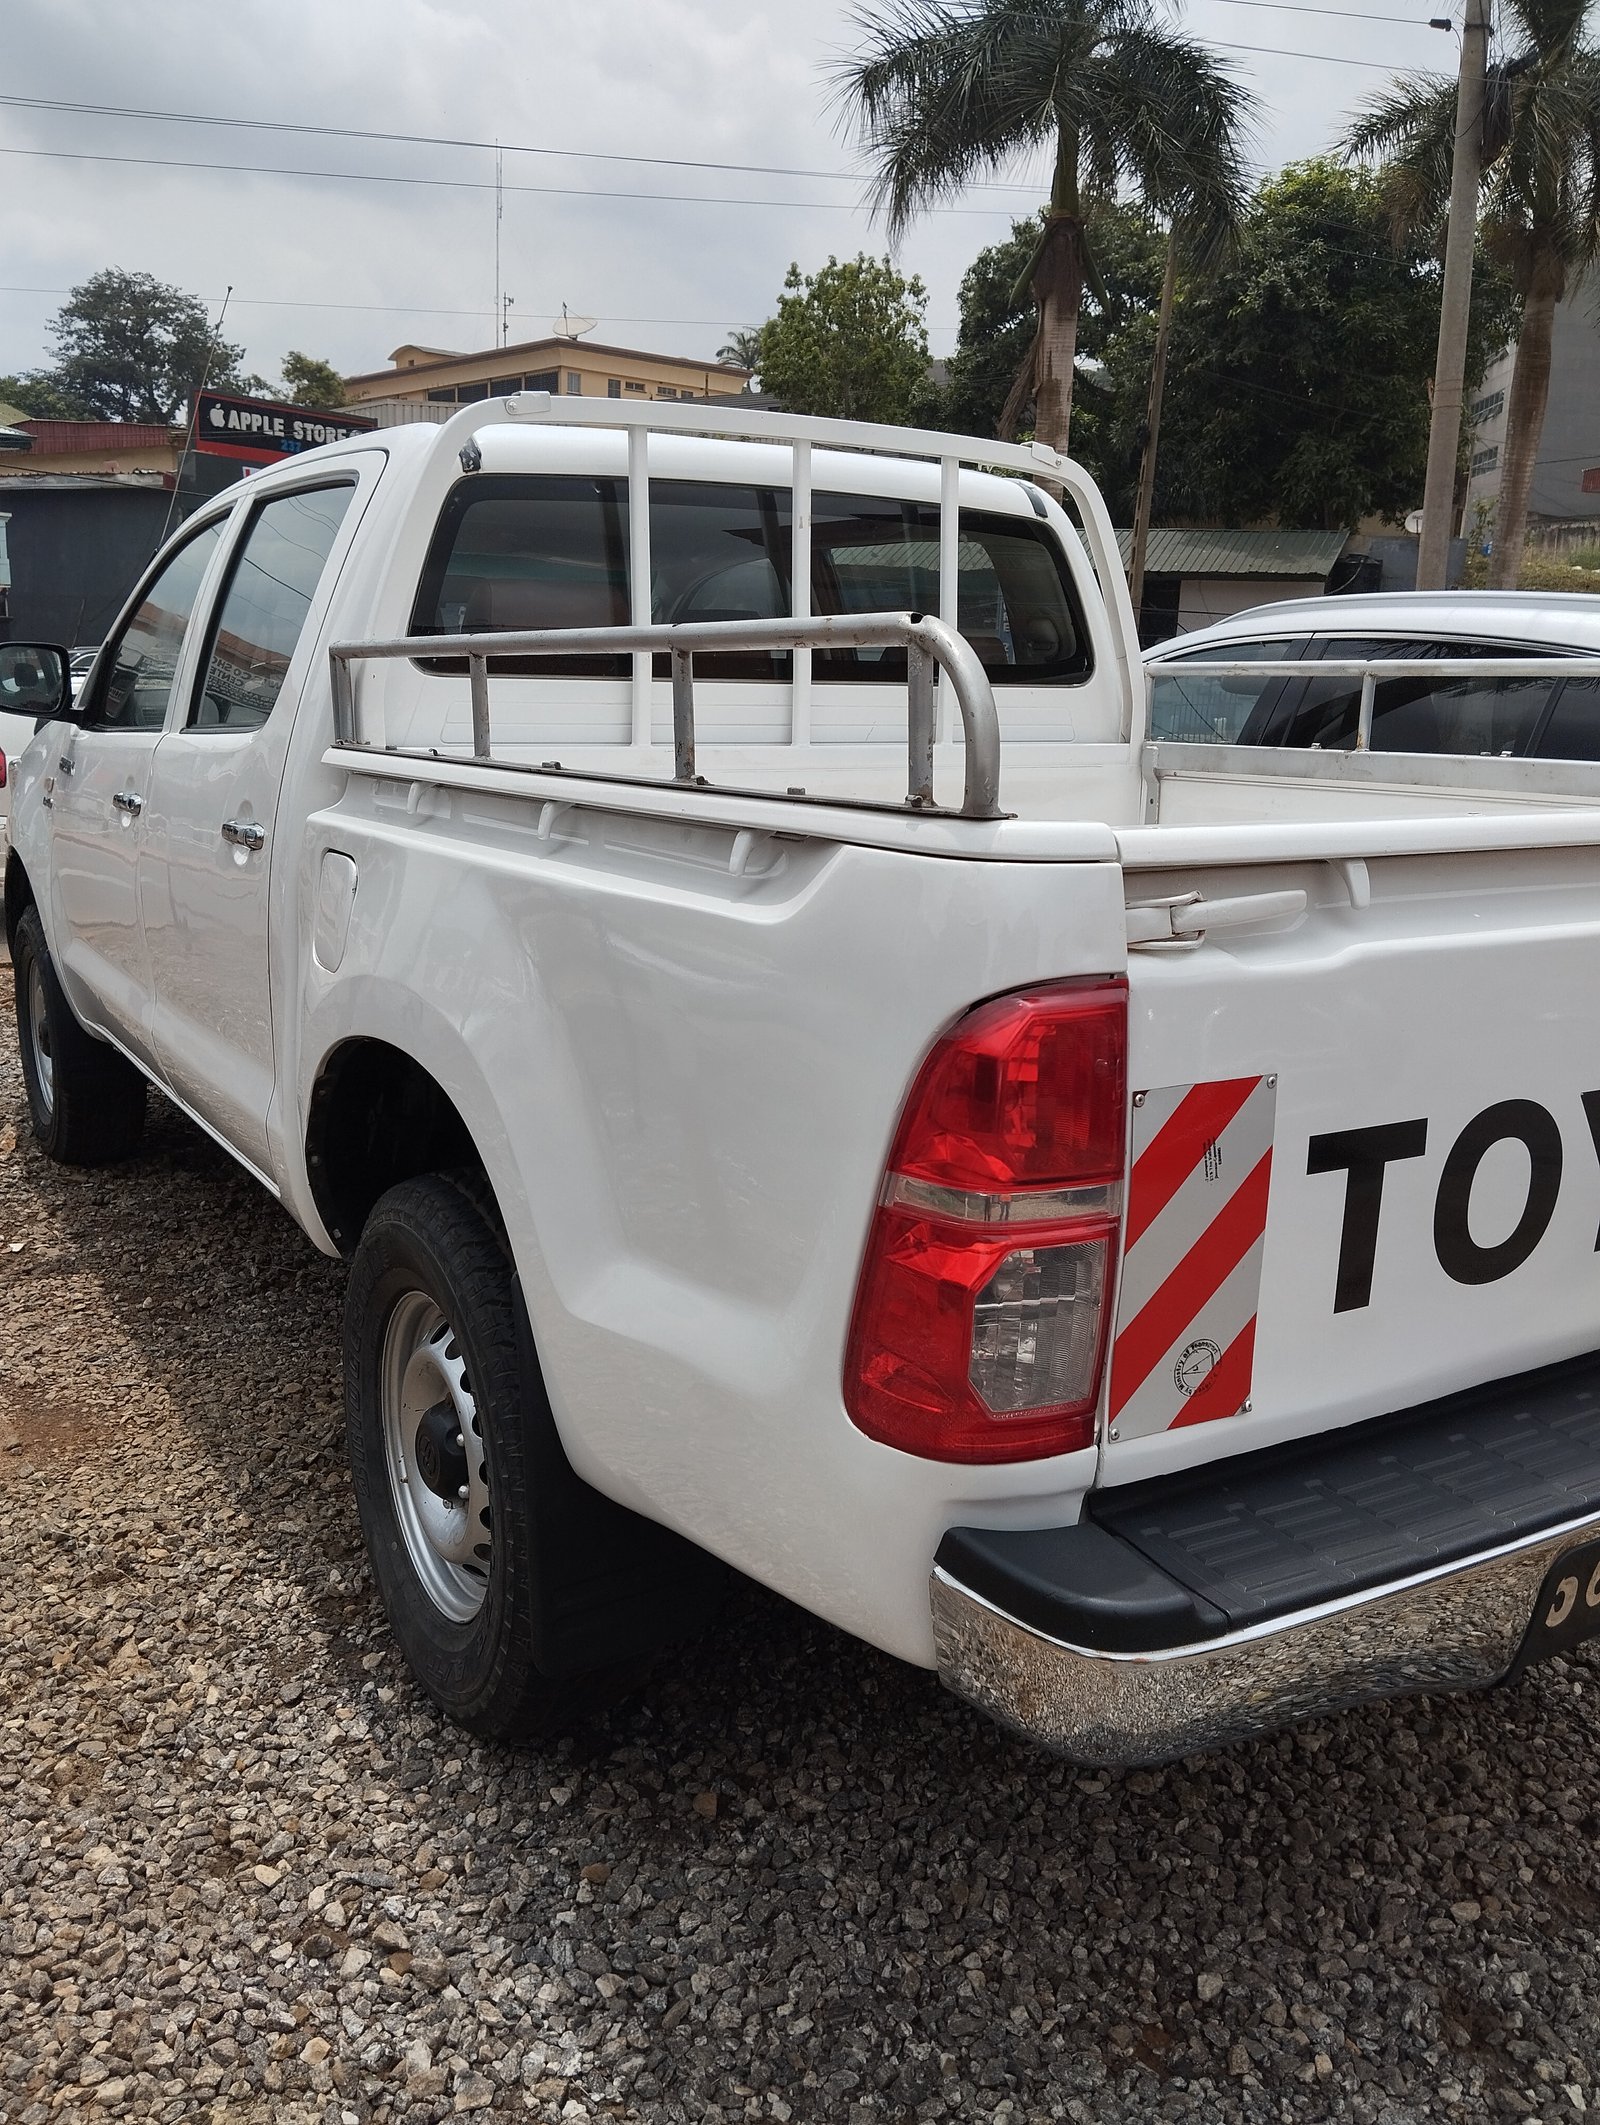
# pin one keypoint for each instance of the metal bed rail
(800, 436)
(931, 645)
(1370, 671)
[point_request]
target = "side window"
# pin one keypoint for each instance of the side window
(271, 583)
(1460, 715)
(1485, 715)
(136, 680)
(1205, 711)
(1325, 712)
(1573, 731)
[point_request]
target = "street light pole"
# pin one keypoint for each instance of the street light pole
(1455, 304)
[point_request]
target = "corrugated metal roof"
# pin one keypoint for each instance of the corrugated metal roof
(68, 438)
(1238, 553)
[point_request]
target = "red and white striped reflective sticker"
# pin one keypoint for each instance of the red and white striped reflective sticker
(1191, 1266)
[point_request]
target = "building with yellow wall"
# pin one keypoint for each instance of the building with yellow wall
(568, 367)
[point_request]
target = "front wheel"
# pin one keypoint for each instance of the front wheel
(520, 1597)
(85, 1101)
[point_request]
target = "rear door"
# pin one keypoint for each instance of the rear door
(1366, 1146)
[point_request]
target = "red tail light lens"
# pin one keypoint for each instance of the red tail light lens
(980, 1321)
(1027, 1092)
(2, 769)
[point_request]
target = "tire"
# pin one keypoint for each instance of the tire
(529, 1603)
(85, 1101)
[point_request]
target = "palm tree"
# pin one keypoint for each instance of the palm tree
(947, 89)
(1540, 216)
(742, 347)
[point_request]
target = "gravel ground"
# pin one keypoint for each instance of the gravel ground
(246, 1873)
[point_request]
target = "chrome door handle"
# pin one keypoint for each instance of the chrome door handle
(127, 800)
(244, 833)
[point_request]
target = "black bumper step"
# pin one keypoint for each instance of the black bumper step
(1190, 1557)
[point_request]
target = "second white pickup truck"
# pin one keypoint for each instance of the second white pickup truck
(1125, 1239)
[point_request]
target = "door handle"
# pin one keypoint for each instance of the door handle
(129, 801)
(244, 833)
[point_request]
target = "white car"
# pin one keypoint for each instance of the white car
(1548, 717)
(801, 1084)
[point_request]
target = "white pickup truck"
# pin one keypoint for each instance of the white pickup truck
(682, 900)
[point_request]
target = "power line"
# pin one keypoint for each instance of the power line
(438, 140)
(1278, 51)
(1342, 14)
(475, 184)
(270, 302)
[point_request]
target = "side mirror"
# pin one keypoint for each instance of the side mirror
(35, 680)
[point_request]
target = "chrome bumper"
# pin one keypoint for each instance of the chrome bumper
(1460, 1627)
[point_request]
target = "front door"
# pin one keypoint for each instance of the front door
(101, 778)
(212, 811)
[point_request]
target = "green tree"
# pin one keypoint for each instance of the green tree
(947, 89)
(309, 382)
(848, 341)
(40, 397)
(1296, 392)
(1540, 213)
(130, 348)
(997, 324)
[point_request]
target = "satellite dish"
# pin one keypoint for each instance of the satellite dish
(1414, 523)
(567, 327)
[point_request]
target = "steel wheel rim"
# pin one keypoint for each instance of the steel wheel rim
(44, 1068)
(425, 1393)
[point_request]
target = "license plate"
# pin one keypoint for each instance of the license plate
(1568, 1608)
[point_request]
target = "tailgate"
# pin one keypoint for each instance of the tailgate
(1365, 1158)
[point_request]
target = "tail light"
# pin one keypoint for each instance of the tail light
(2, 768)
(980, 1320)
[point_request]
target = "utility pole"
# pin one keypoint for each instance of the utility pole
(1455, 305)
(1152, 430)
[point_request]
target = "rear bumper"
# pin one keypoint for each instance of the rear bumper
(1460, 1628)
(1408, 1554)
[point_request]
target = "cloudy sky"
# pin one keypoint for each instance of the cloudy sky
(343, 262)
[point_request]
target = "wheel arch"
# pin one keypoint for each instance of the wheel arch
(377, 1116)
(20, 895)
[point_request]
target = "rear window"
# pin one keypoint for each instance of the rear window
(529, 551)
(532, 550)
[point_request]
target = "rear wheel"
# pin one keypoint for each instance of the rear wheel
(520, 1597)
(85, 1101)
